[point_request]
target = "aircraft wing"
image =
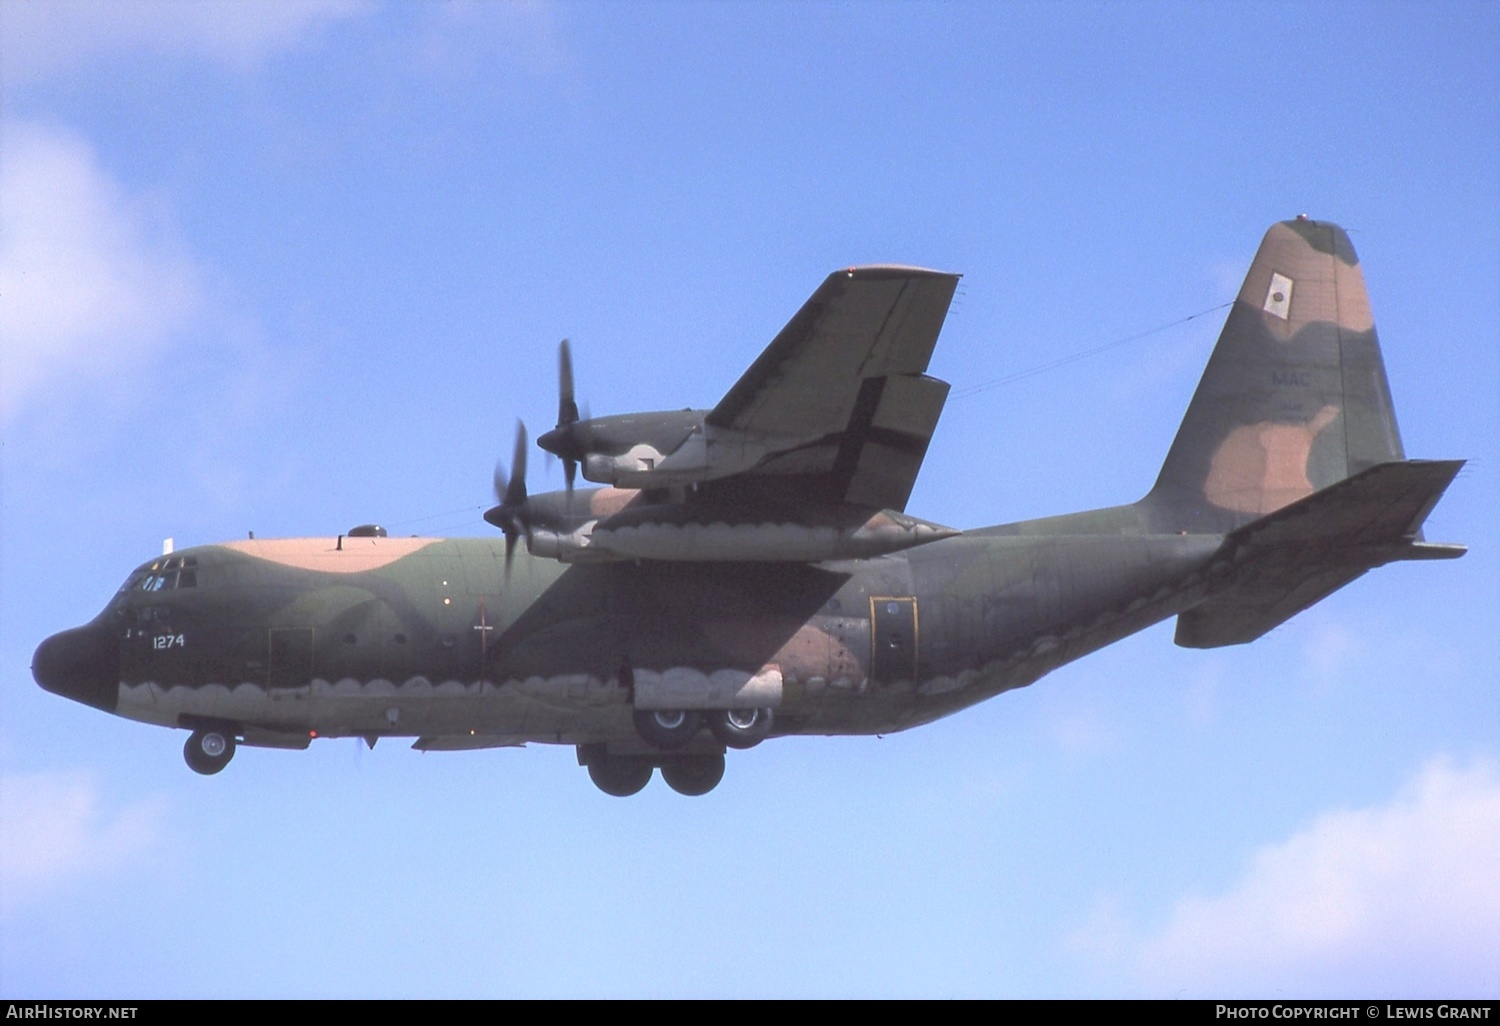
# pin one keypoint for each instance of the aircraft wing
(861, 323)
(810, 456)
(844, 383)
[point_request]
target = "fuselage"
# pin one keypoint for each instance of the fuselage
(285, 640)
(764, 579)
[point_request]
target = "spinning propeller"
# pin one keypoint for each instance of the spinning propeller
(569, 440)
(513, 515)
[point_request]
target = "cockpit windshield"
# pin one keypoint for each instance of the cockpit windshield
(165, 574)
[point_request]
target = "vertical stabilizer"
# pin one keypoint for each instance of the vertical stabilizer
(1295, 396)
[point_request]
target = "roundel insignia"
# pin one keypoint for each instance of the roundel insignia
(1278, 296)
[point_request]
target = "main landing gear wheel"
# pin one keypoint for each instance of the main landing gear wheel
(620, 775)
(208, 751)
(693, 774)
(668, 729)
(740, 728)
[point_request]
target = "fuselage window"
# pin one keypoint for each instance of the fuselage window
(165, 575)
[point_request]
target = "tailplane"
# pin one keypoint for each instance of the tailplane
(1294, 398)
(1277, 566)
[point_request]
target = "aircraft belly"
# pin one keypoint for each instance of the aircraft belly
(537, 707)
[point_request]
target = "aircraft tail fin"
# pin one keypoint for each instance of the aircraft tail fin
(1277, 566)
(1294, 397)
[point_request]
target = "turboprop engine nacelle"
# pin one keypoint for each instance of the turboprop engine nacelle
(704, 454)
(638, 464)
(611, 540)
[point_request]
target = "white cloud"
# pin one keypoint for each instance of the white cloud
(52, 829)
(94, 279)
(47, 37)
(1401, 899)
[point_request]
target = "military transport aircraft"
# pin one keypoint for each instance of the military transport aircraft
(749, 571)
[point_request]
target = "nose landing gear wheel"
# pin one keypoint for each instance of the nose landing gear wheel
(620, 775)
(668, 729)
(740, 728)
(208, 751)
(693, 774)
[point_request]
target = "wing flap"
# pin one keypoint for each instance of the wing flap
(886, 453)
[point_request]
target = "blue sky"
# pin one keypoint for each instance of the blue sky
(292, 267)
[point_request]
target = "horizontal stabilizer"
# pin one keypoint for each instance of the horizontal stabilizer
(1285, 562)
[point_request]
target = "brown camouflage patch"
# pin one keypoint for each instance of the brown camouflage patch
(1313, 286)
(1262, 467)
(808, 652)
(812, 652)
(326, 555)
(606, 502)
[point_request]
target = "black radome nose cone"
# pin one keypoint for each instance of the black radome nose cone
(82, 664)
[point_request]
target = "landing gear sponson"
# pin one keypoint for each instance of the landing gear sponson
(670, 729)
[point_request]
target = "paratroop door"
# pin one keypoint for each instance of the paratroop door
(893, 639)
(290, 666)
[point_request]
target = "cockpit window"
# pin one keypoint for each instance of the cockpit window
(165, 575)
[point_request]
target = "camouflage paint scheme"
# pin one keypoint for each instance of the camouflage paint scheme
(1286, 481)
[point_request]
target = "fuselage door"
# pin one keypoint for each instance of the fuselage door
(290, 663)
(893, 639)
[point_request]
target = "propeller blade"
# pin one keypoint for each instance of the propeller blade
(567, 409)
(512, 515)
(515, 490)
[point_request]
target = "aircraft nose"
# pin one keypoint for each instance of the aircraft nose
(82, 664)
